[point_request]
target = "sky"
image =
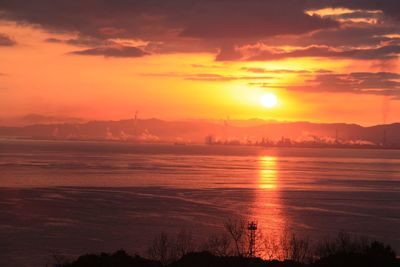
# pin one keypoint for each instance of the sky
(325, 61)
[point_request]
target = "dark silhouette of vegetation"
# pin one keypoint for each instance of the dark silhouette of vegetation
(206, 259)
(117, 259)
(229, 250)
(350, 251)
(375, 255)
(218, 245)
(166, 250)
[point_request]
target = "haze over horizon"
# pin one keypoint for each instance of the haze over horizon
(35, 119)
(297, 60)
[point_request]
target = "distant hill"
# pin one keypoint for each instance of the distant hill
(33, 118)
(155, 130)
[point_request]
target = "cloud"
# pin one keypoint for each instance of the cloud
(350, 35)
(354, 35)
(375, 83)
(366, 15)
(6, 40)
(277, 71)
(389, 7)
(251, 19)
(207, 66)
(265, 54)
(175, 25)
(112, 51)
(222, 78)
(216, 26)
(156, 18)
(211, 77)
(81, 41)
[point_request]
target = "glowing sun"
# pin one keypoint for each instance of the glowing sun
(269, 100)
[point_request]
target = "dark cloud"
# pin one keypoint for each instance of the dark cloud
(54, 40)
(112, 51)
(168, 25)
(6, 40)
(215, 26)
(376, 83)
(180, 45)
(348, 35)
(262, 54)
(251, 19)
(81, 41)
(353, 35)
(380, 53)
(151, 19)
(228, 53)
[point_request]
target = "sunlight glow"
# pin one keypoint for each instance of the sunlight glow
(269, 100)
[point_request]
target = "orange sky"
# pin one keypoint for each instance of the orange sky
(39, 74)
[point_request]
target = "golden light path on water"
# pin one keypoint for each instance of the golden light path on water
(268, 178)
(268, 208)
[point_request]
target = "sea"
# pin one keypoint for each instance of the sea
(75, 197)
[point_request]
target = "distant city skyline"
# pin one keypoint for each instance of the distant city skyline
(217, 132)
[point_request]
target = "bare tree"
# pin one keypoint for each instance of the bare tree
(236, 228)
(218, 245)
(183, 244)
(300, 249)
(284, 245)
(270, 247)
(344, 243)
(325, 248)
(295, 247)
(160, 249)
(167, 250)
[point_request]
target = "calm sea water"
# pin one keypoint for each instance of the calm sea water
(78, 197)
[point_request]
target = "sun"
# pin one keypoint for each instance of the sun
(269, 100)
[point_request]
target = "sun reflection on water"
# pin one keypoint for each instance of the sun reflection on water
(268, 173)
(268, 207)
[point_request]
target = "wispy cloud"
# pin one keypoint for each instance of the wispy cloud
(374, 83)
(278, 71)
(265, 54)
(211, 77)
(6, 40)
(112, 51)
